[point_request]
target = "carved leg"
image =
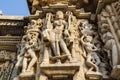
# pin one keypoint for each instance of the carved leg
(90, 63)
(24, 64)
(19, 64)
(33, 60)
(114, 55)
(73, 45)
(46, 56)
(56, 50)
(64, 48)
(73, 52)
(111, 46)
(57, 44)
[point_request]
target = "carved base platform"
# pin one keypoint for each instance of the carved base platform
(93, 75)
(116, 72)
(59, 71)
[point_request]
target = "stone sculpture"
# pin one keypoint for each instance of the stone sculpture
(59, 25)
(48, 37)
(109, 46)
(28, 47)
(90, 48)
(62, 40)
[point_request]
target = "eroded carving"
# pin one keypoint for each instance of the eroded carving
(64, 41)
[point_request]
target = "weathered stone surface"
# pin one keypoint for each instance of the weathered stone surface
(12, 17)
(62, 40)
(60, 71)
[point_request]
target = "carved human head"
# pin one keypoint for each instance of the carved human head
(85, 23)
(69, 13)
(39, 22)
(104, 28)
(59, 15)
(109, 35)
(33, 22)
(32, 34)
(88, 39)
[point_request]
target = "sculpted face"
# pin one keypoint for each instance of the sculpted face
(39, 22)
(33, 22)
(88, 39)
(59, 15)
(32, 35)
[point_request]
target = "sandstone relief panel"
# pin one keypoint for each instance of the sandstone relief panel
(64, 40)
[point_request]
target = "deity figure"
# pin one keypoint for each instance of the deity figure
(31, 46)
(71, 33)
(59, 25)
(91, 54)
(28, 47)
(111, 47)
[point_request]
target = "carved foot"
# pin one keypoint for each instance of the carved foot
(45, 62)
(58, 61)
(27, 74)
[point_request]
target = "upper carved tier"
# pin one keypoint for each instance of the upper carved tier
(89, 5)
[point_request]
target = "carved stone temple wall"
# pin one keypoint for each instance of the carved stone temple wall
(62, 40)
